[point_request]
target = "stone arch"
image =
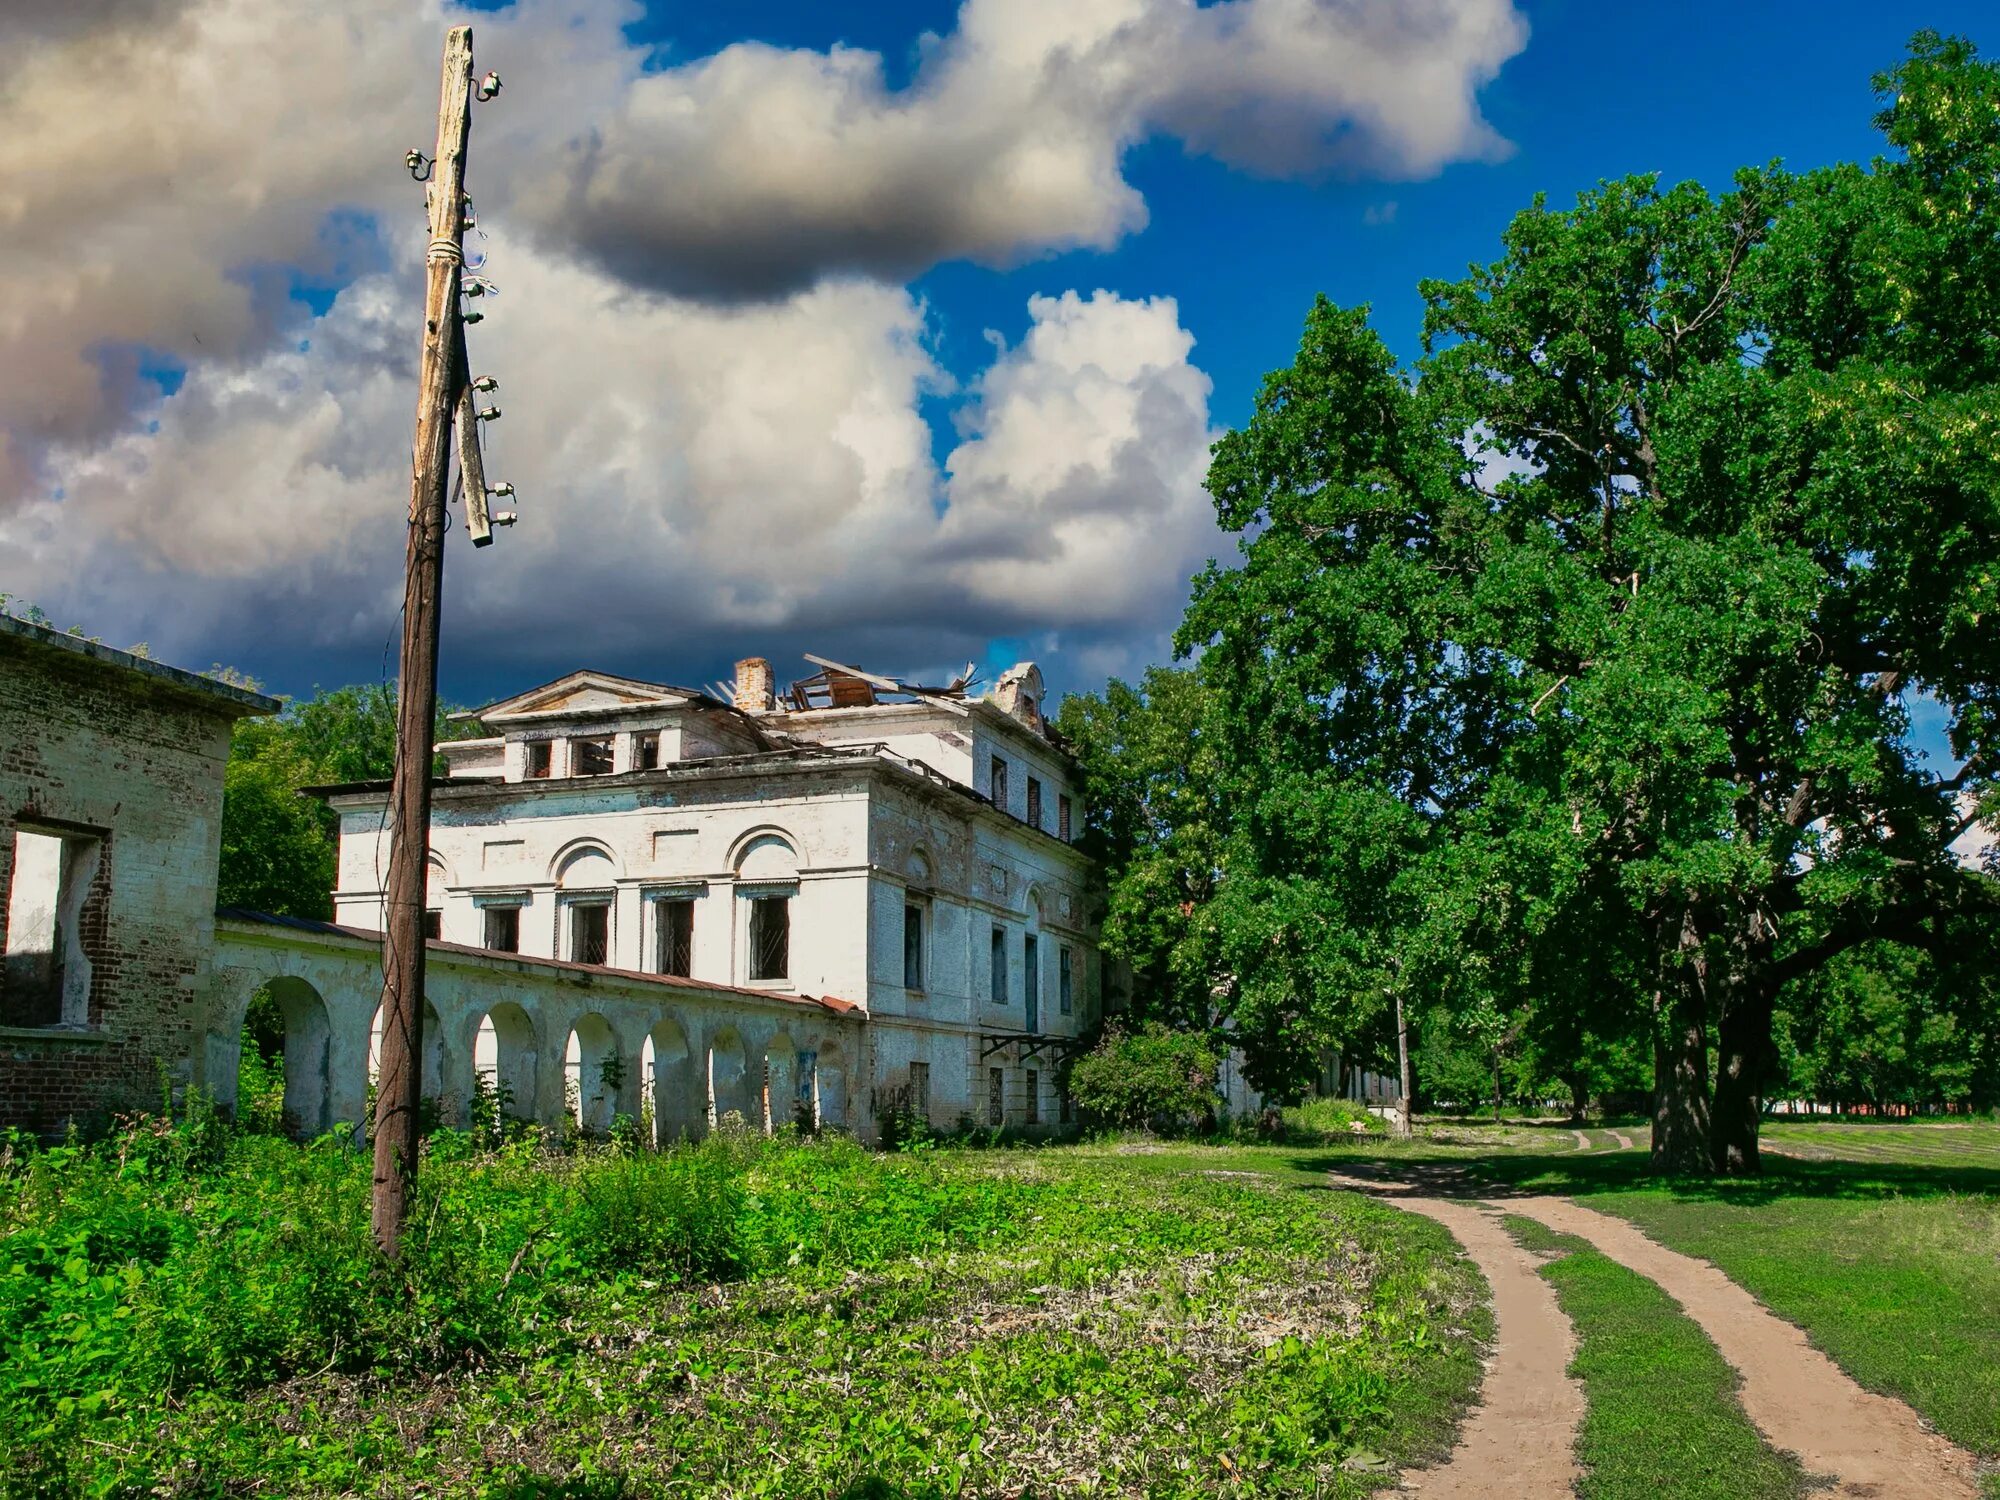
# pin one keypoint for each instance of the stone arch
(728, 1077)
(584, 864)
(506, 1057)
(436, 879)
(433, 1075)
(918, 868)
(307, 1041)
(765, 853)
(667, 1074)
(779, 1105)
(592, 1069)
(830, 1085)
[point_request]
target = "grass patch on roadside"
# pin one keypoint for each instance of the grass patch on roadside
(740, 1318)
(1662, 1418)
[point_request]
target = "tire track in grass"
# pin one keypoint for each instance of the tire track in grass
(1662, 1416)
(1873, 1446)
(1519, 1441)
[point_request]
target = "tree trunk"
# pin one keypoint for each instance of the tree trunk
(1681, 1136)
(1579, 1097)
(1743, 1046)
(1403, 1125)
(1496, 1086)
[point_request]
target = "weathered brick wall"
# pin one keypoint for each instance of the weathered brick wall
(88, 745)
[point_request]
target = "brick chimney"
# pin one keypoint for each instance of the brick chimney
(1019, 693)
(753, 685)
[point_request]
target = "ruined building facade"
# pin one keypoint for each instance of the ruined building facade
(904, 854)
(110, 834)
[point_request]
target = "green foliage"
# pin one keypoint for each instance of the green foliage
(704, 1320)
(1149, 788)
(1330, 1120)
(1573, 668)
(278, 845)
(1152, 1078)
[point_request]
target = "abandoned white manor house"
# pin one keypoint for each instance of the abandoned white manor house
(856, 895)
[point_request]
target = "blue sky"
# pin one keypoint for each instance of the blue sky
(657, 538)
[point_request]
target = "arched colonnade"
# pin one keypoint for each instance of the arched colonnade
(551, 1040)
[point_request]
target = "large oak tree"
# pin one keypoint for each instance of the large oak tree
(1575, 667)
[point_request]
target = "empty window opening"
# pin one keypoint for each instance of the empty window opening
(590, 757)
(1065, 980)
(47, 974)
(1031, 979)
(998, 783)
(590, 932)
(996, 1097)
(645, 752)
(503, 929)
(1034, 1097)
(1063, 815)
(541, 757)
(913, 947)
(673, 937)
(920, 1090)
(1034, 801)
(433, 922)
(997, 963)
(770, 937)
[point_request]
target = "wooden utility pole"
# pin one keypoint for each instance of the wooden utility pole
(399, 1084)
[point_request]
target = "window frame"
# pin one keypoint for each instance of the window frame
(539, 760)
(915, 941)
(646, 750)
(567, 908)
(1065, 816)
(679, 898)
(1032, 1094)
(996, 966)
(999, 788)
(504, 909)
(74, 911)
(1065, 979)
(1034, 814)
(753, 899)
(593, 745)
(996, 1098)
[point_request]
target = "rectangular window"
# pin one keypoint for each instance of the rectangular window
(645, 752)
(1065, 980)
(770, 937)
(1035, 801)
(998, 966)
(996, 1097)
(1063, 812)
(673, 936)
(997, 783)
(590, 932)
(47, 975)
(1031, 979)
(541, 755)
(590, 757)
(1034, 1110)
(913, 947)
(920, 1090)
(433, 923)
(503, 929)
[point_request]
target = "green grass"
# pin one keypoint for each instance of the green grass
(1662, 1418)
(195, 1314)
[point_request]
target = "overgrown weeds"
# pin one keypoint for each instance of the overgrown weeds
(738, 1317)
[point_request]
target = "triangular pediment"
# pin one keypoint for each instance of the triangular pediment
(588, 692)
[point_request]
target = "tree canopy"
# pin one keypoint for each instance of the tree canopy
(1567, 680)
(278, 846)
